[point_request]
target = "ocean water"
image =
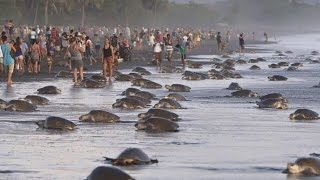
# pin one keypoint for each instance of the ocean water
(220, 137)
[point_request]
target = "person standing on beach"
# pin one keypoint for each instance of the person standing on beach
(107, 59)
(168, 45)
(182, 52)
(18, 56)
(7, 59)
(76, 50)
(1, 61)
(265, 36)
(89, 51)
(35, 56)
(219, 42)
(241, 43)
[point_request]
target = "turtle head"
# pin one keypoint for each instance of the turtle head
(284, 106)
(167, 86)
(294, 168)
(254, 94)
(59, 91)
(141, 125)
(41, 123)
(117, 104)
(143, 115)
(157, 106)
(85, 117)
(292, 116)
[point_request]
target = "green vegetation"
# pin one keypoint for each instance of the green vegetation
(111, 12)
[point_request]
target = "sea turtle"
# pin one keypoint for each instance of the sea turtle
(304, 114)
(277, 78)
(305, 166)
(297, 64)
(314, 53)
(291, 68)
(271, 96)
(130, 92)
(139, 81)
(145, 94)
(90, 83)
(108, 173)
(151, 85)
(137, 69)
(283, 64)
(145, 72)
(124, 77)
(98, 78)
(234, 86)
(273, 103)
(253, 61)
(317, 86)
(244, 93)
(49, 90)
(217, 76)
(37, 100)
(128, 103)
(157, 124)
(194, 65)
(99, 116)
(225, 56)
(135, 75)
(274, 65)
(142, 99)
(131, 156)
(20, 106)
(178, 88)
(241, 61)
(255, 67)
(260, 59)
(176, 96)
(58, 123)
(188, 75)
(203, 75)
(154, 112)
(168, 104)
(63, 74)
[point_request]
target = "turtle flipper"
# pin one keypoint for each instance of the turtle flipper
(109, 159)
(315, 154)
(154, 161)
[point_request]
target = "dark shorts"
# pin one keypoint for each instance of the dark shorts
(158, 56)
(97, 46)
(76, 64)
(107, 60)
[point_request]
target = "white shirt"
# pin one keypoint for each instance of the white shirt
(185, 38)
(33, 35)
(157, 48)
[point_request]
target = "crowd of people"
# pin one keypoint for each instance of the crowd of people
(25, 48)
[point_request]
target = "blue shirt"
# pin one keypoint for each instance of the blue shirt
(7, 59)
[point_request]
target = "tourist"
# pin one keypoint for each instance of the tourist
(107, 59)
(8, 61)
(241, 43)
(76, 50)
(18, 55)
(35, 56)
